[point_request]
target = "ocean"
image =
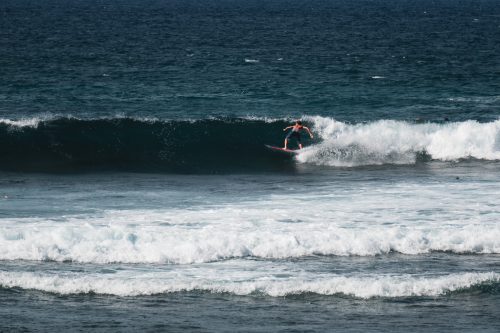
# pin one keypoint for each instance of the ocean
(137, 194)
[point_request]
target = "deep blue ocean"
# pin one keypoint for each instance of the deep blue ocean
(137, 194)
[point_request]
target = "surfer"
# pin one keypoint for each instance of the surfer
(295, 133)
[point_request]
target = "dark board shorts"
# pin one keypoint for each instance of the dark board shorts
(293, 134)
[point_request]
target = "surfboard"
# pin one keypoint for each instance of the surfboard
(282, 150)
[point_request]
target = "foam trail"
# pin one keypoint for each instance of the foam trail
(398, 142)
(133, 284)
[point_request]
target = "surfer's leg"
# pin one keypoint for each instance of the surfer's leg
(288, 138)
(299, 142)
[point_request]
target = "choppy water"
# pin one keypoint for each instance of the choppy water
(136, 192)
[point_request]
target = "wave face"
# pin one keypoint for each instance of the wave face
(250, 283)
(234, 144)
(68, 144)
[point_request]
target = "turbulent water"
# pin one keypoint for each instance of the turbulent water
(136, 191)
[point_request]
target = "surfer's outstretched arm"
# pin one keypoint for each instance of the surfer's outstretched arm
(309, 131)
(284, 129)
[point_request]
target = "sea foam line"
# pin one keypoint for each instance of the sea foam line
(149, 284)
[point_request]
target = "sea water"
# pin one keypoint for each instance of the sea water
(136, 192)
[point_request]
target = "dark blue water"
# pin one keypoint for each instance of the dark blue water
(136, 192)
(354, 60)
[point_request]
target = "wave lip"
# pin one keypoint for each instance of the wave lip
(148, 284)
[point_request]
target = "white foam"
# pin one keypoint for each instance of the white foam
(25, 122)
(128, 283)
(35, 121)
(335, 218)
(251, 61)
(265, 119)
(398, 142)
(260, 230)
(475, 99)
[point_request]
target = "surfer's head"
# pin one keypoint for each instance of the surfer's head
(298, 122)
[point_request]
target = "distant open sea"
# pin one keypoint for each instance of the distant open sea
(136, 193)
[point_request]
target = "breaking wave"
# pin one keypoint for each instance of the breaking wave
(208, 236)
(232, 144)
(158, 283)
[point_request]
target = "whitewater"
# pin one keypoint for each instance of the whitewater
(335, 221)
(397, 142)
(262, 234)
(248, 282)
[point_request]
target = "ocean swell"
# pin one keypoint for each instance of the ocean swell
(232, 144)
(128, 144)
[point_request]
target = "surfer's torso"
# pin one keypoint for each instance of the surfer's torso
(295, 132)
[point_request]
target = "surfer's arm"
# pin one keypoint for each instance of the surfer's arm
(309, 131)
(284, 129)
